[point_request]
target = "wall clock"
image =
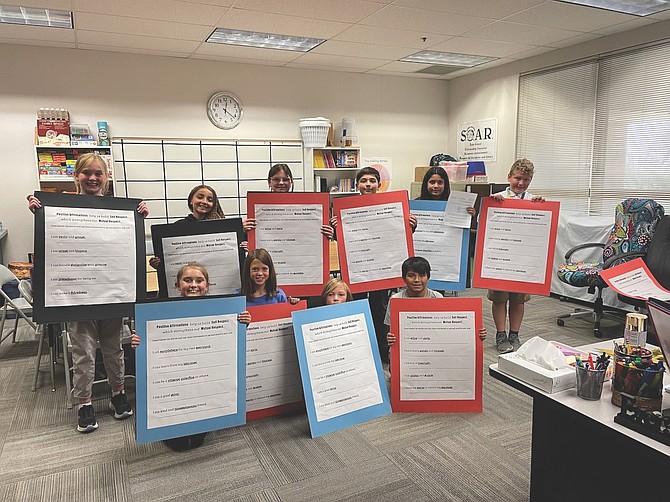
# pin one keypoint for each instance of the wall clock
(224, 110)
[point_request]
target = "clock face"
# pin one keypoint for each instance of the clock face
(224, 110)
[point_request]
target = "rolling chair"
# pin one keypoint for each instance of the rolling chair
(634, 224)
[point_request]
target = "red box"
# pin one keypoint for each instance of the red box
(53, 132)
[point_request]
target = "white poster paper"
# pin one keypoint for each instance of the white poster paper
(273, 374)
(375, 241)
(437, 356)
(217, 252)
(637, 283)
(192, 369)
(456, 214)
(78, 266)
(439, 244)
(291, 233)
(516, 244)
(478, 140)
(341, 366)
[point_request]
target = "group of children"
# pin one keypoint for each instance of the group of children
(259, 282)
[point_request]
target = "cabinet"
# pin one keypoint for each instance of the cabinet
(334, 169)
(55, 166)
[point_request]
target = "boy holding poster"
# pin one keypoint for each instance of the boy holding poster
(415, 273)
(520, 175)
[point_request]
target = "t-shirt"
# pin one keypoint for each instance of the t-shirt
(508, 194)
(266, 299)
(403, 294)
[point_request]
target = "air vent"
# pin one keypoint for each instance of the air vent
(440, 69)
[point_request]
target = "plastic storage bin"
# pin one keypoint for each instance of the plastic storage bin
(314, 131)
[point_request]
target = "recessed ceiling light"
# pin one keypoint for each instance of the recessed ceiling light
(36, 17)
(263, 40)
(634, 7)
(447, 58)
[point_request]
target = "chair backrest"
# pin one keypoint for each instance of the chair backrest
(634, 224)
(658, 254)
(26, 290)
(6, 275)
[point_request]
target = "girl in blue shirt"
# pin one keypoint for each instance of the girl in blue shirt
(259, 280)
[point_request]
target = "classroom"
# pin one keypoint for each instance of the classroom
(145, 69)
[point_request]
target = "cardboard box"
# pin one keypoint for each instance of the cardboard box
(53, 132)
(549, 381)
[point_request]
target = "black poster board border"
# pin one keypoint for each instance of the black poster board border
(187, 229)
(44, 314)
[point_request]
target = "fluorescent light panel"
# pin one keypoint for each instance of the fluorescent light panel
(447, 58)
(263, 40)
(36, 17)
(634, 7)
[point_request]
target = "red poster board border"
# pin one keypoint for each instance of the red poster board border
(629, 266)
(269, 313)
(519, 286)
(398, 305)
(366, 201)
(295, 199)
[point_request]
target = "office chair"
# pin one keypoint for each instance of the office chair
(17, 306)
(634, 224)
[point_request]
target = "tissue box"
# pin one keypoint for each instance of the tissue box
(549, 381)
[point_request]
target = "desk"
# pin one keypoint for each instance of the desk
(566, 428)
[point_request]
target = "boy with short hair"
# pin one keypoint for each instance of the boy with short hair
(415, 273)
(520, 175)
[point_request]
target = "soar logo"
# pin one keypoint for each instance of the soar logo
(476, 133)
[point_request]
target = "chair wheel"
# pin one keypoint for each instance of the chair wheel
(598, 333)
(560, 322)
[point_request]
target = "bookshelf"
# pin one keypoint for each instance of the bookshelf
(335, 167)
(55, 165)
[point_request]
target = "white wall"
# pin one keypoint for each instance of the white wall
(493, 93)
(401, 118)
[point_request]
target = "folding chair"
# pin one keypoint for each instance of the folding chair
(18, 306)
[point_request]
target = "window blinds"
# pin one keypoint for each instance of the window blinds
(599, 131)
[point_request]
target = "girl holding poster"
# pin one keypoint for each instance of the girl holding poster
(259, 281)
(91, 178)
(435, 186)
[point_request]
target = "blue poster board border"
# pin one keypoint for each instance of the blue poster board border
(460, 285)
(185, 308)
(336, 311)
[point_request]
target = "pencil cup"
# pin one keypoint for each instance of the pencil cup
(590, 383)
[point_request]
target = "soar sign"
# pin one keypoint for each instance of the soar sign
(477, 140)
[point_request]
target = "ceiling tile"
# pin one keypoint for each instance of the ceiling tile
(347, 11)
(575, 17)
(480, 47)
(210, 57)
(502, 31)
(403, 67)
(134, 41)
(390, 36)
(232, 51)
(345, 61)
(219, 3)
(532, 52)
(426, 21)
(354, 49)
(36, 33)
(276, 23)
(628, 25)
(132, 50)
(584, 37)
(324, 67)
(39, 43)
(478, 8)
(402, 74)
(145, 27)
(165, 10)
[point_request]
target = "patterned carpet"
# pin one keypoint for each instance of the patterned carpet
(400, 457)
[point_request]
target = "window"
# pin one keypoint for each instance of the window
(599, 131)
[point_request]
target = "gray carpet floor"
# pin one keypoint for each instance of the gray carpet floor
(399, 457)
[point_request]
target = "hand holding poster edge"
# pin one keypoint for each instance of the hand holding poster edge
(398, 305)
(185, 308)
(325, 313)
(439, 206)
(341, 203)
(160, 232)
(269, 313)
(294, 199)
(44, 314)
(520, 286)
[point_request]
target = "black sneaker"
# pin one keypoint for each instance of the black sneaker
(86, 421)
(514, 340)
(119, 405)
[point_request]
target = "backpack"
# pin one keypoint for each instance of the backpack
(441, 157)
